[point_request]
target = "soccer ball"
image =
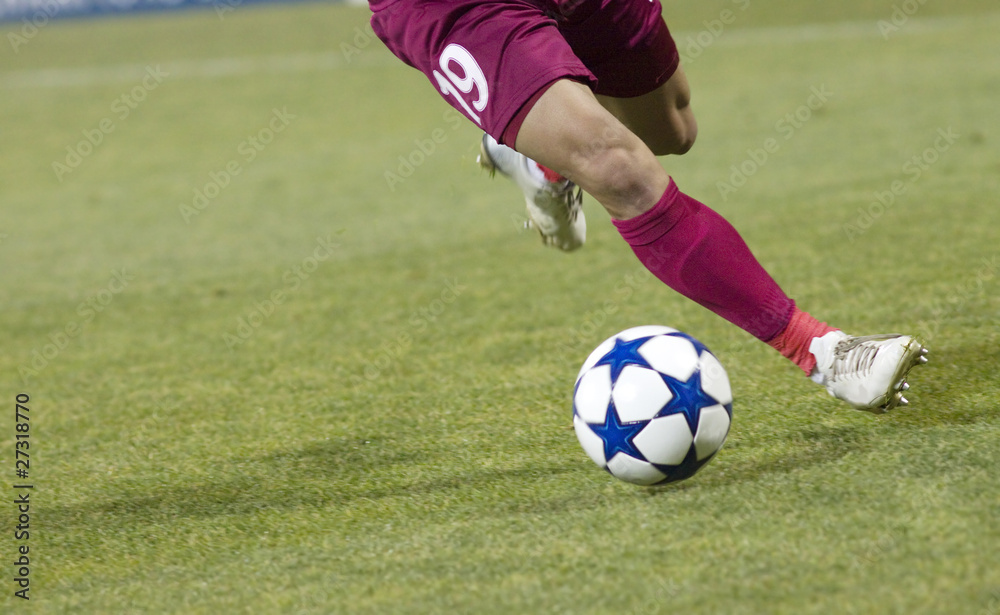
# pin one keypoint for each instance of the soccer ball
(652, 405)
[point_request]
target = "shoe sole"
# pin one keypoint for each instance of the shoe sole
(914, 354)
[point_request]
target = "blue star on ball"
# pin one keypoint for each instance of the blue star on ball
(688, 399)
(624, 354)
(617, 437)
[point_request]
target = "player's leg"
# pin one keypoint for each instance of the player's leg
(699, 254)
(628, 46)
(683, 242)
(490, 59)
(583, 143)
(663, 118)
(568, 130)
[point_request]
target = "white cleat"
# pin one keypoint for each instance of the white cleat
(867, 372)
(554, 208)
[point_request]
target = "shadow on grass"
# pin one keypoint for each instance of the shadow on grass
(960, 386)
(798, 451)
(334, 475)
(331, 475)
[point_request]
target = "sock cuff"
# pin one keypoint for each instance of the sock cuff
(793, 343)
(647, 227)
(549, 174)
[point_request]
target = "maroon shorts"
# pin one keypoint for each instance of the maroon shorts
(490, 58)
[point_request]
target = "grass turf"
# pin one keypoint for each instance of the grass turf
(319, 392)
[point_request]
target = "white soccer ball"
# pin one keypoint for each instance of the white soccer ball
(652, 405)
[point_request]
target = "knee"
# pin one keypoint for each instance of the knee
(678, 140)
(685, 141)
(616, 169)
(625, 173)
(678, 146)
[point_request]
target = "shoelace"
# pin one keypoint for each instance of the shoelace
(847, 360)
(573, 200)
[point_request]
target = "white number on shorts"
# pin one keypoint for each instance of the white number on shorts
(452, 84)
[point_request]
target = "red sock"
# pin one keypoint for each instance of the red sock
(793, 343)
(549, 174)
(694, 251)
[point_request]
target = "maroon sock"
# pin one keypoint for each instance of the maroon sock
(694, 251)
(793, 343)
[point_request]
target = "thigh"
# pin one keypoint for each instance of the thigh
(568, 131)
(663, 118)
(487, 58)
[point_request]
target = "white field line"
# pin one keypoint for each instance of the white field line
(192, 69)
(366, 58)
(843, 30)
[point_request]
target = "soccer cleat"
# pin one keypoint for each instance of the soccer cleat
(867, 372)
(554, 207)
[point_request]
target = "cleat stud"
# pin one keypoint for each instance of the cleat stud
(923, 351)
(923, 359)
(905, 387)
(903, 401)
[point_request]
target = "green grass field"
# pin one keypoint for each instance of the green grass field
(264, 380)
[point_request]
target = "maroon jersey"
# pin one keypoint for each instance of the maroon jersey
(488, 58)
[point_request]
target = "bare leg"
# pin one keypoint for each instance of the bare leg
(684, 243)
(691, 248)
(663, 119)
(570, 132)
